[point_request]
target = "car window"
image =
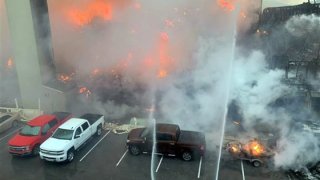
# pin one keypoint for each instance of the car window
(53, 123)
(45, 129)
(85, 126)
(78, 131)
(4, 118)
(164, 137)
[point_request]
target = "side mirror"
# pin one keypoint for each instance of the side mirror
(77, 136)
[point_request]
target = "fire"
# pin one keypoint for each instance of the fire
(234, 148)
(162, 74)
(254, 147)
(65, 78)
(227, 4)
(96, 9)
(85, 91)
(10, 63)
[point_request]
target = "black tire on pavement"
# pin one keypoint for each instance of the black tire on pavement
(36, 150)
(187, 156)
(134, 150)
(99, 131)
(15, 123)
(256, 163)
(70, 155)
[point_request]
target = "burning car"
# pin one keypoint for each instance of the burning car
(253, 151)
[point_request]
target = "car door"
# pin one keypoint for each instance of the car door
(165, 143)
(86, 130)
(78, 138)
(45, 132)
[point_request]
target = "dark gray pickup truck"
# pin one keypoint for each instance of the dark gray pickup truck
(170, 140)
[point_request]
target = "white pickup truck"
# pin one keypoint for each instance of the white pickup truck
(70, 136)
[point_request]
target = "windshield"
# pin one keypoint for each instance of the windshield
(63, 134)
(30, 130)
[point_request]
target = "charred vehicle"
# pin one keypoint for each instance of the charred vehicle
(169, 140)
(253, 151)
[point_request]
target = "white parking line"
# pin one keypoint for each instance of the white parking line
(94, 146)
(289, 177)
(10, 134)
(124, 154)
(199, 170)
(159, 164)
(242, 169)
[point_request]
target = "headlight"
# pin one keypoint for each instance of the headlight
(128, 140)
(27, 148)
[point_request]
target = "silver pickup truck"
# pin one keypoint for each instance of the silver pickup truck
(70, 136)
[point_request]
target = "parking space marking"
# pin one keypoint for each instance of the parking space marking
(10, 134)
(124, 154)
(159, 164)
(200, 164)
(94, 146)
(289, 177)
(242, 169)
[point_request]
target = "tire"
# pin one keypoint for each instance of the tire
(70, 155)
(36, 150)
(256, 163)
(99, 131)
(187, 156)
(15, 123)
(134, 150)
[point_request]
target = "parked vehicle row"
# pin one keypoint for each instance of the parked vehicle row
(56, 137)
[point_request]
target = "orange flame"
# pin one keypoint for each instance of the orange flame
(162, 73)
(85, 91)
(227, 4)
(254, 147)
(96, 9)
(65, 78)
(234, 148)
(10, 63)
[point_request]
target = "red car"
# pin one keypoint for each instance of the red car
(35, 132)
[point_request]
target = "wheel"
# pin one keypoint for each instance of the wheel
(70, 155)
(36, 150)
(134, 150)
(187, 156)
(99, 131)
(15, 123)
(256, 163)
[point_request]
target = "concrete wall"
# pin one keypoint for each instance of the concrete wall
(31, 58)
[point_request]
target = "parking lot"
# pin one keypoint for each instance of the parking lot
(106, 157)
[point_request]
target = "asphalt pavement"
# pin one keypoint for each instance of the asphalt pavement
(106, 157)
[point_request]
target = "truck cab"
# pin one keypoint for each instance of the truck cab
(28, 140)
(169, 140)
(70, 136)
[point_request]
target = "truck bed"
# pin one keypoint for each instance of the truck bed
(61, 115)
(92, 118)
(191, 137)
